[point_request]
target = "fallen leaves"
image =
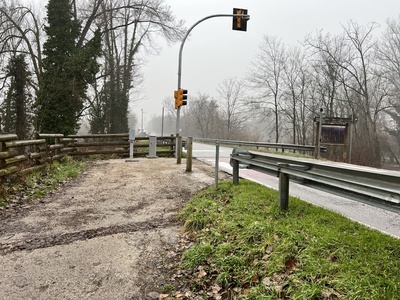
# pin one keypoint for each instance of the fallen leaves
(331, 295)
(202, 273)
(291, 264)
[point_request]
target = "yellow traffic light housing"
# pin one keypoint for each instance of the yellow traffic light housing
(183, 96)
(176, 96)
(180, 98)
(240, 22)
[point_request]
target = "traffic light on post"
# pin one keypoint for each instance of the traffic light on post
(239, 23)
(176, 96)
(180, 98)
(183, 96)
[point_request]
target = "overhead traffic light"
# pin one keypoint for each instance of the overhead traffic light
(180, 98)
(240, 22)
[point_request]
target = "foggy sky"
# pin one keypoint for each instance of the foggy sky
(214, 52)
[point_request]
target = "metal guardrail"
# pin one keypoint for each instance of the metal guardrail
(277, 146)
(343, 178)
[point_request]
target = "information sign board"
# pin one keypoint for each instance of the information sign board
(333, 134)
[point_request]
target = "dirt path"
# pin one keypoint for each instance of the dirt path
(105, 235)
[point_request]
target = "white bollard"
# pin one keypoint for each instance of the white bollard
(152, 146)
(131, 145)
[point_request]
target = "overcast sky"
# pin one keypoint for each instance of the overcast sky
(214, 52)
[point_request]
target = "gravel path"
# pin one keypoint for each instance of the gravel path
(106, 235)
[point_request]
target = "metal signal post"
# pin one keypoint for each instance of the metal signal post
(243, 16)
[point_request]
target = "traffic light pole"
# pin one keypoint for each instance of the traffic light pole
(178, 113)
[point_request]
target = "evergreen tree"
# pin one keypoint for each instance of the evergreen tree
(17, 99)
(130, 27)
(68, 70)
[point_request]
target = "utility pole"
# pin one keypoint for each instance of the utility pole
(321, 111)
(162, 122)
(141, 128)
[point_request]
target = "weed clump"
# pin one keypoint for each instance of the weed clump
(18, 189)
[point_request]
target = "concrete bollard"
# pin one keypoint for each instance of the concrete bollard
(152, 146)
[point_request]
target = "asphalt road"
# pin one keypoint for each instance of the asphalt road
(371, 216)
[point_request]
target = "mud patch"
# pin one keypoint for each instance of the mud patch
(67, 238)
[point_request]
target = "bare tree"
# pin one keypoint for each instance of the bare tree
(389, 53)
(326, 72)
(21, 33)
(266, 76)
(296, 84)
(129, 28)
(357, 72)
(129, 31)
(232, 107)
(201, 118)
(20, 50)
(169, 106)
(389, 60)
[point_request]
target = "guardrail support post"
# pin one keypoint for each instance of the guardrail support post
(283, 190)
(189, 154)
(216, 164)
(235, 171)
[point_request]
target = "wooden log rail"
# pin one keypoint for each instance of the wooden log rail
(10, 159)
(23, 156)
(117, 144)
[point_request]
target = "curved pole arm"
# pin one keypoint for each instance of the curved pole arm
(188, 32)
(178, 112)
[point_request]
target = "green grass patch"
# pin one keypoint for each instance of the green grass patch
(20, 189)
(251, 249)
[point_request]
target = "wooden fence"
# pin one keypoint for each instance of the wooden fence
(24, 156)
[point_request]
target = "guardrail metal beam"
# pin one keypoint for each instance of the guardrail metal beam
(343, 178)
(280, 146)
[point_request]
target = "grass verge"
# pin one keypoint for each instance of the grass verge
(247, 248)
(22, 189)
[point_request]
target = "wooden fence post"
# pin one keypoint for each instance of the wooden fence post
(56, 142)
(189, 154)
(3, 158)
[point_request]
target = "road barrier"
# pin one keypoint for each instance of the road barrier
(277, 146)
(367, 183)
